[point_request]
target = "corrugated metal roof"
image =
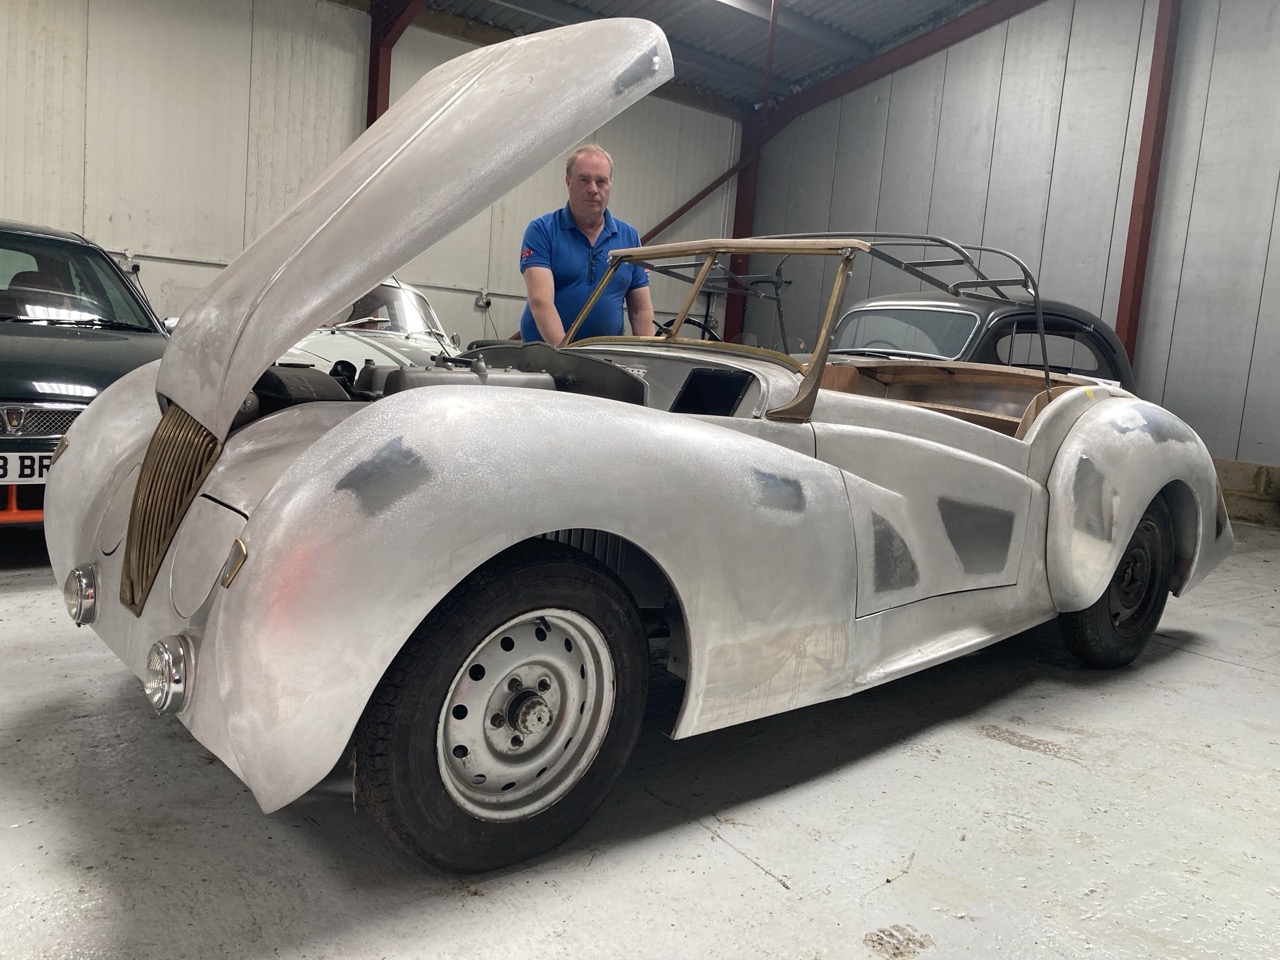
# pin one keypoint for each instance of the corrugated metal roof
(721, 46)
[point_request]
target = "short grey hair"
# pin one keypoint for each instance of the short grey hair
(586, 148)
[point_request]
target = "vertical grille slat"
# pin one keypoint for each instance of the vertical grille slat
(180, 456)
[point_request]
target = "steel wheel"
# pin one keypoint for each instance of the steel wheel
(1132, 593)
(1115, 629)
(525, 715)
(510, 712)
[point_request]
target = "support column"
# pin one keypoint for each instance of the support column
(1147, 180)
(388, 20)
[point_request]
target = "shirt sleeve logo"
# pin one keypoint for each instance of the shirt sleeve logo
(525, 254)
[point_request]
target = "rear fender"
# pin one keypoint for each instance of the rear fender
(1117, 457)
(380, 518)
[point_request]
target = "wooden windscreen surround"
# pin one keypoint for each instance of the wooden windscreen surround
(180, 456)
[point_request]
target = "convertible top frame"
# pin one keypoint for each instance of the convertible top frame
(698, 263)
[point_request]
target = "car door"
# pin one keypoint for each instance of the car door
(939, 506)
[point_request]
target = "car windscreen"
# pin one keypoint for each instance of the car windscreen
(396, 309)
(916, 330)
(46, 280)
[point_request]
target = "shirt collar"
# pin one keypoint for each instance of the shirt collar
(566, 222)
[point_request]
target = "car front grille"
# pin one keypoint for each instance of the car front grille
(37, 420)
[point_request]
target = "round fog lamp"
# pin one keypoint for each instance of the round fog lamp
(167, 679)
(80, 592)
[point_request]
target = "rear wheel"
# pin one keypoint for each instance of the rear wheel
(1115, 629)
(510, 713)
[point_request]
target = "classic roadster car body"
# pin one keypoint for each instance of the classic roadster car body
(453, 578)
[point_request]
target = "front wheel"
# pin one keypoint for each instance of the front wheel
(510, 713)
(1115, 629)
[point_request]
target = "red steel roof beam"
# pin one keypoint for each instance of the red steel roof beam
(388, 20)
(926, 45)
(1147, 179)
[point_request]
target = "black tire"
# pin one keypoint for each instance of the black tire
(467, 792)
(1114, 630)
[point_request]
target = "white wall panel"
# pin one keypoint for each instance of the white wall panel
(966, 134)
(42, 87)
(643, 142)
(808, 209)
(1232, 216)
(304, 108)
(1260, 429)
(864, 118)
(1026, 127)
(171, 285)
(1089, 148)
(708, 145)
(911, 143)
(165, 136)
(1197, 34)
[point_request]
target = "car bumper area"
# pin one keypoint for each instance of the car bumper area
(23, 465)
(21, 503)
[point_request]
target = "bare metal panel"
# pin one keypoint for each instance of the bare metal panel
(166, 131)
(1197, 33)
(1232, 213)
(1093, 118)
(911, 141)
(1129, 163)
(864, 119)
(305, 105)
(1026, 127)
(42, 87)
(462, 260)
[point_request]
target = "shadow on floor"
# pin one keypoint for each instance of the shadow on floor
(143, 817)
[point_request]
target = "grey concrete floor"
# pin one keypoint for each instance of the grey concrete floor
(1004, 805)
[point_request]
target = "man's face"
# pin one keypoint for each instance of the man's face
(589, 187)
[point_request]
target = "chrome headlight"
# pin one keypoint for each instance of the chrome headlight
(80, 594)
(168, 676)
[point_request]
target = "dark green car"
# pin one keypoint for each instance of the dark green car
(71, 323)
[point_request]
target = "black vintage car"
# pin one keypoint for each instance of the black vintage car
(937, 325)
(71, 323)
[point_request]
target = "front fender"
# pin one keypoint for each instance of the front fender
(381, 517)
(103, 445)
(1115, 459)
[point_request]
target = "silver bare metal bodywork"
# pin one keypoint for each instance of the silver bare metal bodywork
(805, 530)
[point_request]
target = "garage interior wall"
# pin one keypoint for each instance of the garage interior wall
(1025, 137)
(176, 133)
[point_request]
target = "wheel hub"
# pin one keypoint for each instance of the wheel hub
(529, 713)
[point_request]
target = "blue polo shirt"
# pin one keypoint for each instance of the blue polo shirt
(555, 242)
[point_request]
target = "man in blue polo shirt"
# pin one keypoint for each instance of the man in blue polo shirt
(566, 251)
